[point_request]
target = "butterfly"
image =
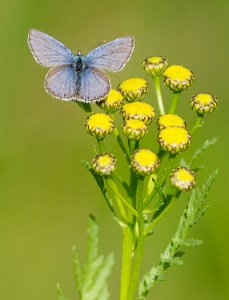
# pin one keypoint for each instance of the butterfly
(74, 76)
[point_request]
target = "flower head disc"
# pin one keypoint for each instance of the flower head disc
(183, 178)
(178, 78)
(99, 125)
(112, 102)
(144, 162)
(174, 139)
(170, 120)
(134, 89)
(154, 65)
(139, 111)
(204, 103)
(134, 129)
(104, 164)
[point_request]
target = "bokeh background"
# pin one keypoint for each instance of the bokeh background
(46, 195)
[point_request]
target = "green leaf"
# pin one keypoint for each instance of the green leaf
(60, 292)
(77, 270)
(203, 148)
(194, 211)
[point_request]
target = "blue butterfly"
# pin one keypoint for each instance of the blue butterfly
(77, 77)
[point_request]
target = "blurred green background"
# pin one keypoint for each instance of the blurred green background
(46, 195)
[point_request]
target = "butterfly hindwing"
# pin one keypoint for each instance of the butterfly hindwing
(111, 56)
(94, 85)
(47, 51)
(61, 82)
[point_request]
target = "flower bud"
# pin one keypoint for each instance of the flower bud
(204, 103)
(134, 129)
(170, 120)
(183, 179)
(104, 164)
(178, 78)
(99, 125)
(112, 102)
(174, 139)
(144, 162)
(134, 89)
(138, 111)
(154, 65)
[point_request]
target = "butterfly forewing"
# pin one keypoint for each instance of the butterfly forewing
(62, 82)
(47, 51)
(94, 85)
(111, 56)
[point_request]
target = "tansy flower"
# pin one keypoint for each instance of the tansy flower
(174, 139)
(178, 78)
(104, 164)
(134, 89)
(134, 129)
(170, 120)
(144, 162)
(183, 178)
(99, 125)
(112, 102)
(138, 111)
(154, 65)
(204, 103)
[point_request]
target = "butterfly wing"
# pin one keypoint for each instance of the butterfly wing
(111, 56)
(94, 85)
(62, 82)
(47, 51)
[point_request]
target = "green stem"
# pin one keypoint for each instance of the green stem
(126, 262)
(163, 212)
(161, 181)
(158, 94)
(175, 99)
(86, 107)
(198, 123)
(140, 242)
(101, 145)
(121, 144)
(118, 178)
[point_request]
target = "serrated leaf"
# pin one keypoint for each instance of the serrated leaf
(192, 242)
(60, 292)
(77, 270)
(202, 149)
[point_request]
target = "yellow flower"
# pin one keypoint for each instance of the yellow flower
(104, 164)
(99, 125)
(138, 111)
(178, 78)
(134, 89)
(204, 103)
(112, 102)
(170, 120)
(144, 162)
(154, 65)
(134, 129)
(174, 139)
(183, 178)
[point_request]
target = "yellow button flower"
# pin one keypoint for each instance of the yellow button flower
(183, 178)
(174, 139)
(139, 111)
(134, 129)
(154, 65)
(104, 164)
(99, 125)
(144, 162)
(134, 89)
(170, 120)
(204, 103)
(178, 78)
(112, 102)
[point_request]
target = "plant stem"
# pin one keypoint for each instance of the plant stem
(140, 242)
(121, 144)
(126, 262)
(86, 107)
(198, 123)
(101, 145)
(175, 99)
(158, 94)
